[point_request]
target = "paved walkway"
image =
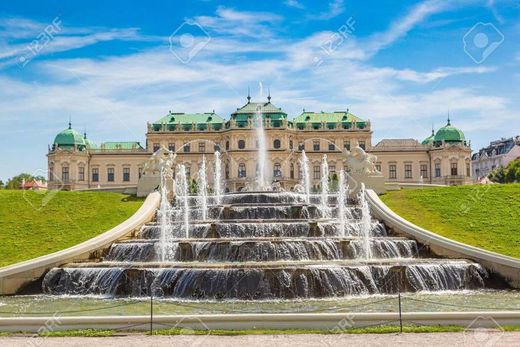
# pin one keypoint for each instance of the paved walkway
(477, 338)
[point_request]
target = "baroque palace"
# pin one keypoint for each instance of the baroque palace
(75, 162)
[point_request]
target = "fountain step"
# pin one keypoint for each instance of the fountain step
(264, 283)
(257, 228)
(269, 264)
(265, 239)
(265, 249)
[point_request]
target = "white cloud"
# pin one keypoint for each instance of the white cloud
(335, 8)
(294, 3)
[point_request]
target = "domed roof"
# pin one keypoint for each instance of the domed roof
(89, 143)
(449, 133)
(69, 138)
(429, 139)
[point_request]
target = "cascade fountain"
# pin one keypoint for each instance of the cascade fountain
(306, 180)
(366, 223)
(342, 200)
(263, 245)
(262, 149)
(325, 186)
(202, 189)
(217, 179)
(164, 215)
(182, 198)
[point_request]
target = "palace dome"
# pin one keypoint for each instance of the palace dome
(69, 138)
(449, 133)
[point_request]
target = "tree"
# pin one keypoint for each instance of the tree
(509, 174)
(2, 184)
(16, 181)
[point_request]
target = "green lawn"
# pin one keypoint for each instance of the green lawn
(483, 216)
(34, 224)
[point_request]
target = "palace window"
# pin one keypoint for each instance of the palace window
(290, 144)
(202, 147)
(156, 147)
(242, 170)
(95, 175)
(291, 173)
(187, 170)
(437, 169)
(241, 144)
(227, 145)
(316, 170)
(187, 148)
(216, 147)
(126, 174)
(65, 174)
(140, 172)
(424, 171)
(51, 173)
(277, 170)
(227, 171)
(316, 145)
(332, 147)
(454, 169)
(378, 167)
(81, 173)
(468, 170)
(277, 144)
(332, 169)
(392, 169)
(362, 144)
(346, 145)
(110, 174)
(301, 146)
(407, 170)
(171, 147)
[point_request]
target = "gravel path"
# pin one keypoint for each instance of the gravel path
(477, 338)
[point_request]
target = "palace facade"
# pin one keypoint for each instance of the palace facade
(75, 162)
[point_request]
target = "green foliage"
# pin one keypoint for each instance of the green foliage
(192, 186)
(38, 223)
(2, 184)
(484, 216)
(78, 333)
(509, 174)
(16, 181)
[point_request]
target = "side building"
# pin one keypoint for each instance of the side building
(498, 154)
(75, 162)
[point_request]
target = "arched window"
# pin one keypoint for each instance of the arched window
(277, 144)
(241, 144)
(227, 145)
(277, 170)
(290, 144)
(227, 171)
(292, 171)
(242, 170)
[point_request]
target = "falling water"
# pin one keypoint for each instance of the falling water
(217, 180)
(325, 187)
(342, 199)
(165, 222)
(306, 177)
(182, 197)
(366, 223)
(262, 149)
(202, 189)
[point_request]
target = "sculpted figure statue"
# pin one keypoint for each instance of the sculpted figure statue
(362, 162)
(162, 158)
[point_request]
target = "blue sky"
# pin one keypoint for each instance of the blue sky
(113, 66)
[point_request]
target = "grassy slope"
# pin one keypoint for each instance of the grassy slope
(28, 229)
(483, 216)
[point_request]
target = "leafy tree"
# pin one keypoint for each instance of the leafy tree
(16, 181)
(2, 184)
(509, 174)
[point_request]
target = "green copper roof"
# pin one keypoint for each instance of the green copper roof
(121, 145)
(69, 138)
(429, 140)
(331, 118)
(90, 144)
(449, 133)
(189, 118)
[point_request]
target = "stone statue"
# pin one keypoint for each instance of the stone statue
(161, 161)
(361, 162)
(162, 158)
